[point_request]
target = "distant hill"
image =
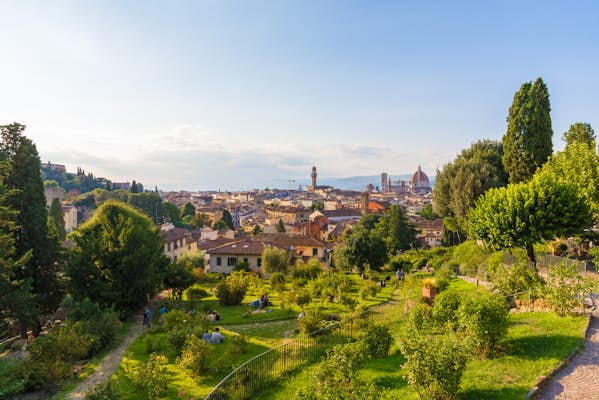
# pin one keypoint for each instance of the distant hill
(349, 183)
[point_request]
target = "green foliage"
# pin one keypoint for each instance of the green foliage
(196, 356)
(27, 198)
(565, 288)
(302, 298)
(312, 321)
(474, 171)
(361, 249)
(80, 181)
(149, 204)
(118, 259)
(98, 326)
(275, 259)
(444, 312)
(337, 377)
(179, 276)
(428, 213)
(56, 218)
(11, 383)
(523, 214)
(232, 290)
(195, 294)
(105, 391)
(397, 230)
(281, 226)
(277, 281)
(484, 317)
(516, 278)
(188, 209)
(134, 188)
(527, 142)
(578, 165)
(242, 266)
(152, 376)
(580, 132)
(309, 270)
(378, 341)
(434, 365)
(171, 211)
(228, 219)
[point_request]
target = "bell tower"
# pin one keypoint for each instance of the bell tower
(314, 175)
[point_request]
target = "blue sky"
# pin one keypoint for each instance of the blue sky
(236, 94)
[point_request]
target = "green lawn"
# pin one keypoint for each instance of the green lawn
(536, 343)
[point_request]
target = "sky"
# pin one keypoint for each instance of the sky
(238, 94)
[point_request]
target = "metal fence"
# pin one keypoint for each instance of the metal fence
(547, 260)
(255, 374)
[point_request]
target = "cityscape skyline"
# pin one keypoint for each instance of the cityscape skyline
(239, 95)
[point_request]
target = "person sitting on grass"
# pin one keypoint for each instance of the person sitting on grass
(217, 337)
(206, 336)
(216, 316)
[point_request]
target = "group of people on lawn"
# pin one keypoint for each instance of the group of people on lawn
(215, 338)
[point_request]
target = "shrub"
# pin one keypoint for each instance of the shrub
(151, 343)
(484, 317)
(348, 300)
(516, 278)
(565, 288)
(444, 310)
(195, 294)
(236, 346)
(98, 326)
(429, 283)
(312, 321)
(434, 365)
(337, 377)
(420, 319)
(11, 382)
(196, 356)
(277, 281)
(275, 259)
(370, 289)
(152, 376)
(242, 266)
(178, 325)
(302, 298)
(232, 291)
(309, 270)
(106, 391)
(378, 341)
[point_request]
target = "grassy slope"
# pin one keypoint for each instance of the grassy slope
(264, 331)
(535, 344)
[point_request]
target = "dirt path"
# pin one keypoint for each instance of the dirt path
(109, 364)
(580, 379)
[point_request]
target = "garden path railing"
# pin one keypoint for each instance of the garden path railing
(255, 374)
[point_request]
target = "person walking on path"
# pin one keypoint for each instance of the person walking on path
(147, 317)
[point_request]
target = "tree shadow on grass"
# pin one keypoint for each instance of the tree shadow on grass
(506, 393)
(538, 347)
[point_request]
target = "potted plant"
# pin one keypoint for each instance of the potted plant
(429, 289)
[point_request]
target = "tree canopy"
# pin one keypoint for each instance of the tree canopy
(28, 200)
(275, 259)
(56, 218)
(523, 214)
(580, 132)
(118, 258)
(171, 211)
(148, 203)
(188, 209)
(527, 142)
(281, 226)
(474, 171)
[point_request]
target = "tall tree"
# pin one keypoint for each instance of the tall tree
(56, 218)
(399, 233)
(149, 203)
(361, 248)
(32, 217)
(527, 142)
(474, 171)
(171, 211)
(523, 214)
(134, 188)
(200, 220)
(16, 298)
(281, 226)
(188, 210)
(580, 132)
(228, 218)
(118, 258)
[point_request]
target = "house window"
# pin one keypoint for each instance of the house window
(259, 262)
(314, 251)
(245, 260)
(218, 261)
(231, 261)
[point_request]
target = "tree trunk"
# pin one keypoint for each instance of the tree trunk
(531, 255)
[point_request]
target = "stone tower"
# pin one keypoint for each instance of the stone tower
(314, 175)
(364, 203)
(384, 182)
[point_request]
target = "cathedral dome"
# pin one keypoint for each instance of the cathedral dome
(419, 179)
(370, 188)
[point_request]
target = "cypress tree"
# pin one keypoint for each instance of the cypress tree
(228, 219)
(30, 203)
(56, 218)
(527, 143)
(134, 188)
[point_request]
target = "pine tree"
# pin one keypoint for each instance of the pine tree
(281, 226)
(580, 132)
(16, 298)
(56, 218)
(30, 203)
(527, 143)
(134, 187)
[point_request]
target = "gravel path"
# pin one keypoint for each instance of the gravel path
(580, 379)
(109, 364)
